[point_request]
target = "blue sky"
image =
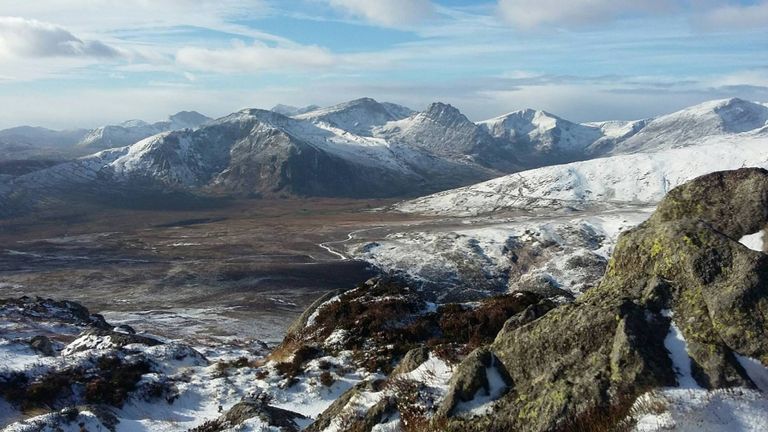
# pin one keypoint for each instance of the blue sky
(91, 62)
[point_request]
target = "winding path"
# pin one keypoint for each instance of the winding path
(350, 236)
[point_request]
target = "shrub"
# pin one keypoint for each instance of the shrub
(326, 379)
(295, 366)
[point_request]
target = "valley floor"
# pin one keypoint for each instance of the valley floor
(242, 271)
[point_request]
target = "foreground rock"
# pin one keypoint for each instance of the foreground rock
(686, 263)
(682, 304)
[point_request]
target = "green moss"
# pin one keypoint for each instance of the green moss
(656, 249)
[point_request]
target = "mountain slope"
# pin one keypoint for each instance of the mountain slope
(26, 142)
(540, 138)
(688, 126)
(641, 178)
(444, 130)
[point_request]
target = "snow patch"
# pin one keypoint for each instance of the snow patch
(756, 371)
(678, 351)
(698, 410)
(754, 241)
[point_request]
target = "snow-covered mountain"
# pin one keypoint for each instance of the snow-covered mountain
(540, 138)
(257, 152)
(640, 161)
(132, 131)
(444, 130)
(690, 125)
(359, 116)
(366, 148)
(639, 178)
(26, 142)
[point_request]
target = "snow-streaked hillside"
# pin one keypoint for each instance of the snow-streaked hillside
(132, 131)
(541, 137)
(480, 256)
(641, 178)
(688, 126)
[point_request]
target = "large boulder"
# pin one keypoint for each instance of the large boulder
(685, 266)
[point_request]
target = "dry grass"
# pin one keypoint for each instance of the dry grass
(620, 416)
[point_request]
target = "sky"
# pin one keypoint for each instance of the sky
(85, 63)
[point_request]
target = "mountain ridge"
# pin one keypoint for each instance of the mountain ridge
(398, 152)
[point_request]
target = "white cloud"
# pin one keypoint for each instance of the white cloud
(735, 17)
(254, 58)
(108, 15)
(756, 78)
(529, 14)
(22, 38)
(389, 13)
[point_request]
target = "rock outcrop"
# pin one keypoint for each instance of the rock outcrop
(686, 263)
(567, 366)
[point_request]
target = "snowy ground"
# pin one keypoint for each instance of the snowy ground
(201, 383)
(689, 408)
(494, 253)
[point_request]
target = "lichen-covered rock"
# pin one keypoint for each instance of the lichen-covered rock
(541, 285)
(531, 313)
(734, 203)
(608, 346)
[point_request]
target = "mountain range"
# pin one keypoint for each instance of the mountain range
(648, 159)
(38, 143)
(365, 148)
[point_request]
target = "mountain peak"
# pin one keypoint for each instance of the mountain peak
(290, 110)
(445, 114)
(528, 115)
(363, 101)
(441, 109)
(133, 123)
(187, 120)
(358, 116)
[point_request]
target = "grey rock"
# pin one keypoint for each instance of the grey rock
(471, 377)
(42, 345)
(412, 359)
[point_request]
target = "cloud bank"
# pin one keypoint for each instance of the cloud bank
(242, 58)
(22, 38)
